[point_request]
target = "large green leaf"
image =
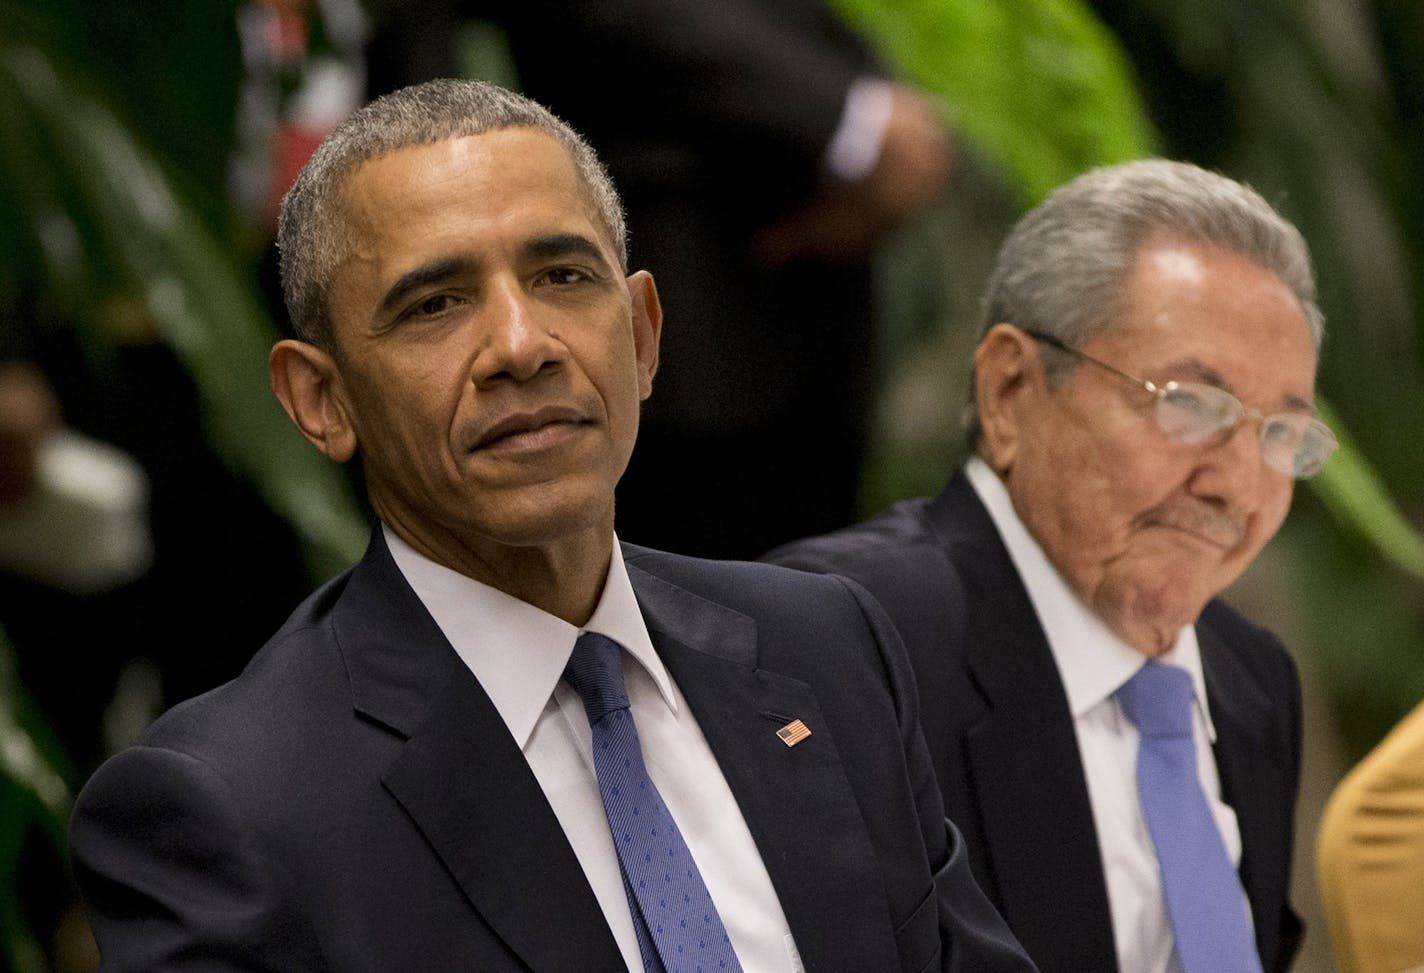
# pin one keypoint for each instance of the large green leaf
(1354, 493)
(1039, 86)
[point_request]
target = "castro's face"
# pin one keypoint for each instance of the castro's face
(489, 356)
(1144, 529)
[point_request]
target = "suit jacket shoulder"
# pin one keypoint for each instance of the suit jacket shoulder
(1253, 690)
(354, 801)
(1001, 734)
(834, 662)
(905, 561)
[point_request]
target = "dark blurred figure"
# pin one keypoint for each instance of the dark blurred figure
(762, 160)
(212, 538)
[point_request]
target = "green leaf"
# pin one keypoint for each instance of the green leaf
(1355, 494)
(1040, 86)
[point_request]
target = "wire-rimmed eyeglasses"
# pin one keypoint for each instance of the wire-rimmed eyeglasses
(1292, 443)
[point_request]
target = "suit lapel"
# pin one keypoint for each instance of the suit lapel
(1022, 755)
(796, 801)
(1254, 787)
(462, 779)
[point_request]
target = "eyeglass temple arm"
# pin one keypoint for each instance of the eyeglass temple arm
(1053, 342)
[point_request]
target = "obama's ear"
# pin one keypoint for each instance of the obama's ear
(307, 382)
(647, 328)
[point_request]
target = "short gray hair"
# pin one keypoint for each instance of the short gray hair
(313, 236)
(1062, 269)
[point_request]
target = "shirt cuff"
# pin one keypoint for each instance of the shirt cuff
(855, 146)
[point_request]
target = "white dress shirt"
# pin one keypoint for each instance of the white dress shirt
(1092, 663)
(518, 653)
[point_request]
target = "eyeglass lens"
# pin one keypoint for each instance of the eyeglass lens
(1293, 445)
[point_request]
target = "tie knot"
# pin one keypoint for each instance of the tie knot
(1158, 699)
(595, 670)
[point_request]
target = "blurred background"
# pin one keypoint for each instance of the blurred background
(151, 488)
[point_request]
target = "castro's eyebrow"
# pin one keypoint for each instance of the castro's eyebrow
(432, 272)
(1201, 371)
(1205, 373)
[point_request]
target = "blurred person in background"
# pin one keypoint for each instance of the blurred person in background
(763, 156)
(1370, 856)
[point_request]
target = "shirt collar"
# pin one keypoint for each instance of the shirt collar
(1093, 662)
(517, 651)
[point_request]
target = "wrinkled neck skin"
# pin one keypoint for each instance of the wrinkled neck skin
(563, 576)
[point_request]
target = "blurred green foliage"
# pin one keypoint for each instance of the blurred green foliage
(1040, 86)
(36, 781)
(1354, 492)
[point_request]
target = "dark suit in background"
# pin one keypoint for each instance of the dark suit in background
(355, 802)
(714, 120)
(1002, 737)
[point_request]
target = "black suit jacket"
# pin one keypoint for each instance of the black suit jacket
(354, 801)
(998, 725)
(714, 119)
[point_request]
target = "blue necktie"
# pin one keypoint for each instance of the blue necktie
(1205, 903)
(679, 930)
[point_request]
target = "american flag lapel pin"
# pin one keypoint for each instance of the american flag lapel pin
(793, 733)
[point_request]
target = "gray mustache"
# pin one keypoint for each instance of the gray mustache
(1223, 526)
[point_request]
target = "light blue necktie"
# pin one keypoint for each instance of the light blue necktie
(1205, 903)
(679, 930)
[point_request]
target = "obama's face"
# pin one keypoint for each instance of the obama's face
(489, 354)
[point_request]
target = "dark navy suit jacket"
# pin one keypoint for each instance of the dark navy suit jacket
(997, 722)
(354, 802)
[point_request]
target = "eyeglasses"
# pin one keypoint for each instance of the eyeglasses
(1292, 443)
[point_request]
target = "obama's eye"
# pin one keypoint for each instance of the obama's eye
(565, 275)
(434, 305)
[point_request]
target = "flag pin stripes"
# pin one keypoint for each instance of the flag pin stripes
(793, 733)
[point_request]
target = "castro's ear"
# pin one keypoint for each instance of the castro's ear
(1008, 373)
(307, 382)
(647, 328)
